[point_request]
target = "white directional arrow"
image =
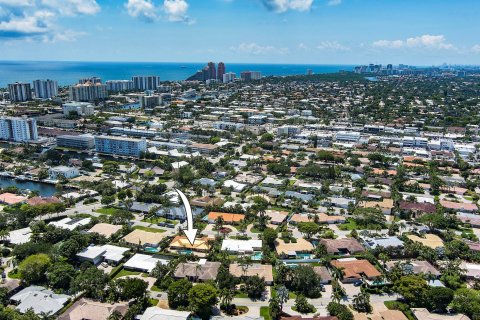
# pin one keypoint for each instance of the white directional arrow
(190, 232)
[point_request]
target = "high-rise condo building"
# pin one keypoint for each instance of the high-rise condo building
(18, 129)
(94, 80)
(145, 82)
(88, 92)
(220, 71)
(20, 91)
(212, 71)
(251, 75)
(45, 89)
(119, 85)
(229, 77)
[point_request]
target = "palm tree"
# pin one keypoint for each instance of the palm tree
(226, 297)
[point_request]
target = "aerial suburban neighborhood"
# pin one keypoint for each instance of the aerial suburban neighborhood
(342, 196)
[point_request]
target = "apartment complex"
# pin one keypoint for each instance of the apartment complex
(88, 92)
(145, 82)
(18, 129)
(45, 89)
(81, 108)
(20, 91)
(119, 85)
(82, 142)
(120, 145)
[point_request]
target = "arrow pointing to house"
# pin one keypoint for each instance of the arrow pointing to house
(190, 232)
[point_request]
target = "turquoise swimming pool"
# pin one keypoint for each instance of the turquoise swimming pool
(257, 255)
(150, 250)
(304, 256)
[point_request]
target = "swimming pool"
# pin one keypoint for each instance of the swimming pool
(257, 255)
(304, 256)
(150, 249)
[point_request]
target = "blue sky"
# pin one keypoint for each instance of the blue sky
(421, 32)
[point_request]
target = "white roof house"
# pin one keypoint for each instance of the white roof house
(40, 300)
(241, 246)
(19, 236)
(70, 224)
(97, 254)
(156, 313)
(237, 187)
(143, 262)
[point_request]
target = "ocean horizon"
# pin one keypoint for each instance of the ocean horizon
(69, 72)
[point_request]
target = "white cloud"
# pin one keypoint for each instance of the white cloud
(36, 20)
(176, 10)
(256, 49)
(424, 41)
(36, 24)
(334, 2)
(143, 9)
(18, 3)
(332, 46)
(73, 7)
(476, 48)
(280, 6)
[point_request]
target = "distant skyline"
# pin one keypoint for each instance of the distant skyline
(427, 32)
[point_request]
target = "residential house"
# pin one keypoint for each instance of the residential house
(40, 300)
(143, 263)
(262, 270)
(93, 310)
(386, 205)
(70, 224)
(345, 246)
(201, 270)
(156, 313)
(424, 314)
(11, 198)
(430, 240)
(293, 249)
(105, 229)
(276, 217)
(323, 273)
(228, 218)
(144, 238)
(382, 242)
(181, 244)
(97, 254)
(414, 266)
(354, 269)
(241, 246)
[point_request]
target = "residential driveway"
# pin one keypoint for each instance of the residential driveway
(340, 233)
(350, 290)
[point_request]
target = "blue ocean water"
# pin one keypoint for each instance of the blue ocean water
(67, 73)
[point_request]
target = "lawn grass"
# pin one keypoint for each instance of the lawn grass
(160, 219)
(349, 225)
(241, 295)
(279, 208)
(149, 229)
(155, 288)
(264, 312)
(124, 273)
(107, 210)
